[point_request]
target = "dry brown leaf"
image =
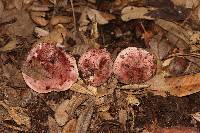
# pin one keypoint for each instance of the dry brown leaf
(84, 120)
(132, 100)
(39, 19)
(79, 87)
(119, 4)
(160, 47)
(195, 38)
(39, 8)
(123, 116)
(184, 85)
(9, 46)
(79, 49)
(176, 130)
(23, 25)
(196, 116)
(132, 12)
(186, 3)
(57, 36)
(18, 4)
(1, 8)
(134, 86)
(14, 75)
(158, 85)
(94, 16)
(66, 109)
(53, 1)
(4, 115)
(175, 29)
(104, 108)
(27, 1)
(105, 116)
(53, 126)
(60, 20)
(40, 32)
(167, 62)
(99, 17)
(18, 115)
(177, 86)
(70, 127)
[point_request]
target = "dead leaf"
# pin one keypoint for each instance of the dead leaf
(53, 126)
(186, 3)
(167, 62)
(195, 38)
(160, 47)
(27, 1)
(1, 8)
(56, 36)
(70, 127)
(94, 16)
(18, 115)
(105, 116)
(14, 75)
(84, 120)
(132, 100)
(53, 1)
(134, 86)
(39, 18)
(196, 116)
(175, 29)
(18, 4)
(66, 109)
(40, 32)
(158, 85)
(79, 87)
(119, 4)
(184, 85)
(177, 86)
(132, 12)
(103, 108)
(9, 46)
(123, 116)
(39, 8)
(4, 114)
(99, 17)
(176, 130)
(60, 20)
(23, 25)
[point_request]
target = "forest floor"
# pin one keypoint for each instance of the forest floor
(169, 102)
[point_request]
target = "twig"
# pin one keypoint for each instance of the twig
(74, 18)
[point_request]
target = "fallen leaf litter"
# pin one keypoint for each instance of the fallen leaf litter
(100, 64)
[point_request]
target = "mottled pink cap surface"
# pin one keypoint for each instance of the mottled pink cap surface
(96, 66)
(134, 65)
(48, 68)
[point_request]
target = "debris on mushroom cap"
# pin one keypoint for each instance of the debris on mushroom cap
(134, 65)
(48, 68)
(96, 66)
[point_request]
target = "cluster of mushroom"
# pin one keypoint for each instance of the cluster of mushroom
(49, 68)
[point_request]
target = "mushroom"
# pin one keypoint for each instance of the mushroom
(134, 65)
(48, 68)
(95, 66)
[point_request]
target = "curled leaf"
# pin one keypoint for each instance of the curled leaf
(66, 109)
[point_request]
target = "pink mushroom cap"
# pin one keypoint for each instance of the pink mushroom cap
(134, 65)
(96, 66)
(48, 68)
